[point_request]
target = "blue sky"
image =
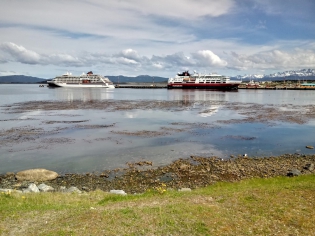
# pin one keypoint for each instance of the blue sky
(45, 38)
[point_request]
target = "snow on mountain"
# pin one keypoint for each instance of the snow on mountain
(293, 74)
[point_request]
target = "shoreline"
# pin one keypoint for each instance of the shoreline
(194, 172)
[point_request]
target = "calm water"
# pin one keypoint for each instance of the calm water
(68, 147)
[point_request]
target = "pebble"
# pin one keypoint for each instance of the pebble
(184, 189)
(120, 192)
(294, 172)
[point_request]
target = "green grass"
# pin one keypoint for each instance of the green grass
(275, 206)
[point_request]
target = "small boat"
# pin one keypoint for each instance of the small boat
(199, 81)
(252, 84)
(88, 80)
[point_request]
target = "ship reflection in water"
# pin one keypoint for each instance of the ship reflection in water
(212, 99)
(199, 95)
(83, 94)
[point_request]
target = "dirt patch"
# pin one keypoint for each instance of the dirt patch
(64, 122)
(144, 133)
(271, 114)
(57, 140)
(17, 135)
(238, 137)
(94, 126)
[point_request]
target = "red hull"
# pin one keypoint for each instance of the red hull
(202, 86)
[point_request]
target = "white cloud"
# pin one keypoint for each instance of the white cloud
(153, 37)
(129, 59)
(158, 65)
(208, 58)
(62, 59)
(274, 59)
(19, 53)
(126, 61)
(5, 73)
(100, 17)
(181, 8)
(128, 56)
(285, 7)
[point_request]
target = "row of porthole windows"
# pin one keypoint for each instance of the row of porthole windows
(74, 79)
(207, 80)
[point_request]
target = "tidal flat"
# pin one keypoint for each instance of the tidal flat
(98, 135)
(92, 130)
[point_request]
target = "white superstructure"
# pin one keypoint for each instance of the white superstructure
(88, 80)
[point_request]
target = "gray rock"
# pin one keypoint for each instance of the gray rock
(73, 190)
(45, 188)
(309, 166)
(167, 177)
(36, 175)
(120, 192)
(32, 188)
(85, 189)
(294, 172)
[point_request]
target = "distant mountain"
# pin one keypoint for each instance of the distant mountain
(304, 74)
(20, 79)
(137, 79)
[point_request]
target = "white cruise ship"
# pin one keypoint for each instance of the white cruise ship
(88, 80)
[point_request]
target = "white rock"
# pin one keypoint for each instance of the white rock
(33, 188)
(63, 189)
(45, 188)
(185, 190)
(121, 192)
(73, 190)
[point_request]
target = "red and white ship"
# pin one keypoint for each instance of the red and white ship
(198, 81)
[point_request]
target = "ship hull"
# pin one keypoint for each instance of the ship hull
(202, 86)
(77, 85)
